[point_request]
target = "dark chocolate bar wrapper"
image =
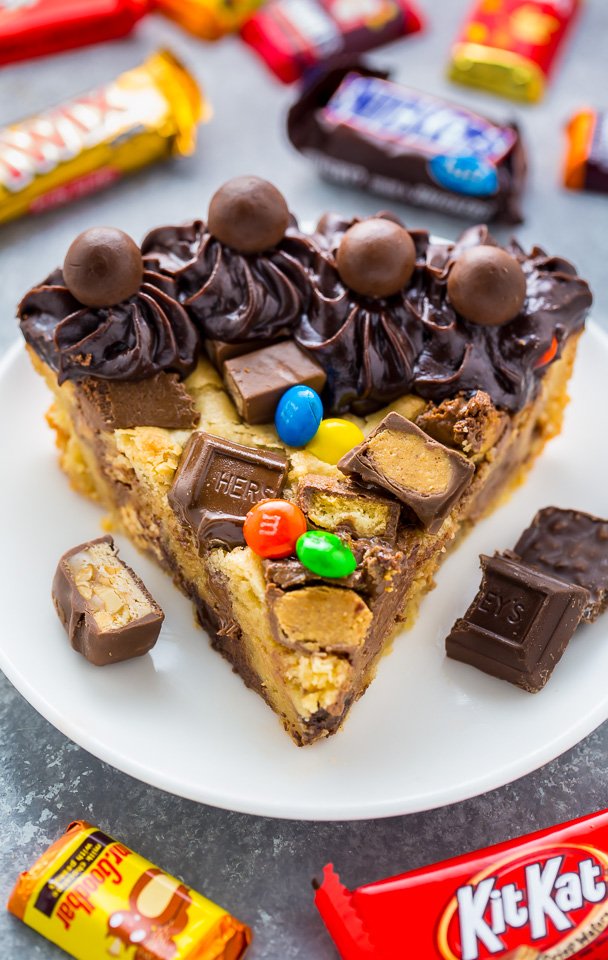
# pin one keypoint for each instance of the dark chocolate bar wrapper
(362, 130)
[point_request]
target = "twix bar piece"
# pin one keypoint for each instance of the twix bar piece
(510, 46)
(97, 899)
(539, 897)
(87, 143)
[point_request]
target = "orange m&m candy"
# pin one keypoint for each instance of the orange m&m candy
(272, 528)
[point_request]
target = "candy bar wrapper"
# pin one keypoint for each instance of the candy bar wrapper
(85, 144)
(97, 899)
(36, 28)
(510, 46)
(209, 19)
(362, 130)
(540, 897)
(587, 157)
(295, 35)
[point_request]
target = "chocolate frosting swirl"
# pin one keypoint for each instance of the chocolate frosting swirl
(133, 340)
(234, 296)
(374, 350)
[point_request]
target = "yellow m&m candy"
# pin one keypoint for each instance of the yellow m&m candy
(333, 439)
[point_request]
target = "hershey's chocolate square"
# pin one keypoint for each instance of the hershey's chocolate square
(573, 547)
(160, 401)
(257, 381)
(218, 482)
(423, 473)
(518, 625)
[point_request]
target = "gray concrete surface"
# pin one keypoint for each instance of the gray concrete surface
(261, 868)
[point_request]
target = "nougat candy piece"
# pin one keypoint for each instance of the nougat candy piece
(159, 401)
(342, 505)
(319, 619)
(472, 425)
(424, 474)
(106, 610)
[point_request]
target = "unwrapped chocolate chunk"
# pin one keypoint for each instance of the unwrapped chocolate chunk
(218, 482)
(471, 424)
(319, 619)
(573, 547)
(344, 506)
(519, 624)
(160, 401)
(362, 130)
(257, 381)
(424, 474)
(105, 608)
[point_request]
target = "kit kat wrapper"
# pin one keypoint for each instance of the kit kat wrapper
(539, 897)
(87, 143)
(97, 899)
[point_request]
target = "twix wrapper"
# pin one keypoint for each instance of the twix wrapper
(209, 19)
(87, 143)
(98, 900)
(35, 28)
(510, 46)
(540, 897)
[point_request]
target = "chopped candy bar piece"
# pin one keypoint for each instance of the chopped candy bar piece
(161, 401)
(105, 608)
(342, 505)
(428, 477)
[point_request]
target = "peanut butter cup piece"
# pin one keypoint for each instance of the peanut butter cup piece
(487, 286)
(376, 257)
(102, 267)
(248, 214)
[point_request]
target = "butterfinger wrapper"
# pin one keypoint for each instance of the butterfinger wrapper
(209, 19)
(85, 144)
(97, 900)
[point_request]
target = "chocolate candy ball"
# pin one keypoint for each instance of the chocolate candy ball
(376, 257)
(487, 286)
(102, 267)
(248, 214)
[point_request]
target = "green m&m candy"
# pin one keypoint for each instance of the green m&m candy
(325, 554)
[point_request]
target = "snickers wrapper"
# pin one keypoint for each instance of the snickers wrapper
(36, 28)
(87, 143)
(587, 156)
(540, 897)
(97, 900)
(510, 46)
(362, 130)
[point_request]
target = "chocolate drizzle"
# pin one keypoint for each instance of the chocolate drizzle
(133, 340)
(376, 350)
(234, 296)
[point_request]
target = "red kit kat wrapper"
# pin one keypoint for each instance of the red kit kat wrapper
(540, 897)
(35, 28)
(294, 35)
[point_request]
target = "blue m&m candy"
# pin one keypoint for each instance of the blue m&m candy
(298, 415)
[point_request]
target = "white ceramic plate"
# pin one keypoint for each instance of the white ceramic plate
(428, 732)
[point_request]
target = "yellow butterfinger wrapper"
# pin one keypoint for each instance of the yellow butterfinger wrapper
(85, 144)
(98, 900)
(209, 19)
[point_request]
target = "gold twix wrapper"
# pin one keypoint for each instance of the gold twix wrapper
(87, 143)
(99, 900)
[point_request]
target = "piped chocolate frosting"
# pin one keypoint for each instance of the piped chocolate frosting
(375, 350)
(135, 339)
(231, 295)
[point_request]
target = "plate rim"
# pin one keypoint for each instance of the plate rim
(356, 810)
